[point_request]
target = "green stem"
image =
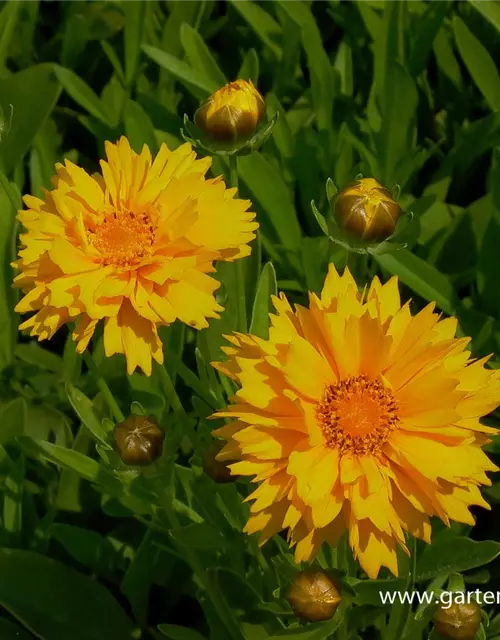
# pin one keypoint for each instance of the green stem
(103, 387)
(224, 613)
(175, 402)
(239, 265)
(401, 610)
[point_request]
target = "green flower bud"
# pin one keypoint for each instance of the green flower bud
(218, 470)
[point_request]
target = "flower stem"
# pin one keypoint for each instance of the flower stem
(223, 611)
(401, 611)
(103, 387)
(239, 264)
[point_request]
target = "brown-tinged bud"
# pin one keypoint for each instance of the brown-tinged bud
(366, 211)
(459, 621)
(138, 440)
(232, 113)
(218, 470)
(313, 596)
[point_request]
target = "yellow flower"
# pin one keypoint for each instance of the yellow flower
(355, 415)
(132, 247)
(367, 211)
(232, 113)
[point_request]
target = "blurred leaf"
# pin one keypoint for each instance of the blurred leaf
(139, 128)
(199, 536)
(462, 554)
(84, 409)
(56, 602)
(249, 69)
(139, 576)
(320, 67)
(424, 34)
(489, 9)
(200, 57)
(368, 591)
(262, 305)
(33, 93)
(265, 27)
(84, 545)
(11, 631)
(133, 32)
(8, 22)
(81, 93)
(13, 490)
(33, 353)
(194, 81)
(396, 138)
(269, 190)
(479, 63)
(69, 459)
(12, 419)
(175, 632)
(75, 37)
(8, 318)
(424, 279)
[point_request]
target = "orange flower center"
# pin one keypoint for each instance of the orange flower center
(357, 415)
(124, 238)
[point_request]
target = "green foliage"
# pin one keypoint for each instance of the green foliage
(405, 92)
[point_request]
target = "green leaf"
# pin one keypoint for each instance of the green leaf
(175, 632)
(84, 545)
(461, 554)
(479, 63)
(81, 93)
(11, 631)
(194, 81)
(262, 305)
(265, 26)
(12, 419)
(33, 353)
(423, 37)
(396, 137)
(84, 409)
(420, 276)
(268, 189)
(139, 128)
(200, 57)
(199, 536)
(320, 67)
(368, 591)
(8, 318)
(490, 9)
(134, 27)
(249, 69)
(8, 22)
(56, 602)
(33, 94)
(13, 490)
(70, 459)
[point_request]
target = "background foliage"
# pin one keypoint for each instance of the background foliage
(406, 92)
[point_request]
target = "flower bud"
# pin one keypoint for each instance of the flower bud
(216, 469)
(138, 440)
(459, 621)
(366, 211)
(232, 113)
(313, 596)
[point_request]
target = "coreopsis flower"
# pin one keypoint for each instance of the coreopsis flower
(355, 415)
(313, 595)
(132, 248)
